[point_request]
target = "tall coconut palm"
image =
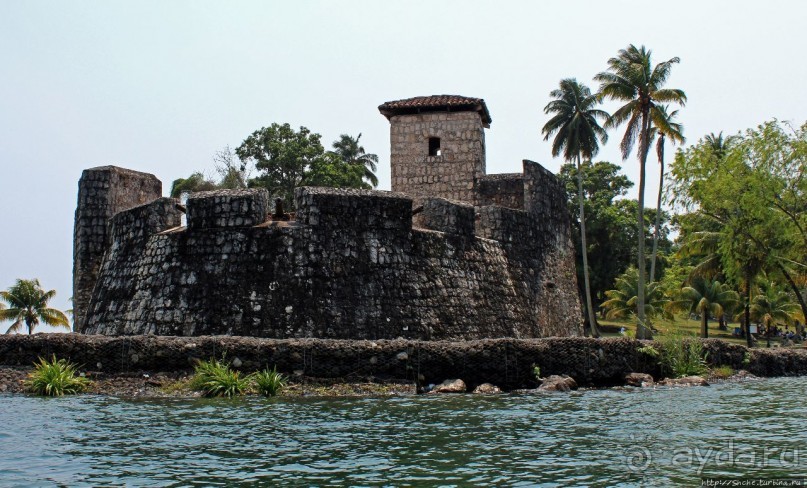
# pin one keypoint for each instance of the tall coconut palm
(349, 150)
(578, 135)
(664, 126)
(707, 297)
(632, 78)
(28, 304)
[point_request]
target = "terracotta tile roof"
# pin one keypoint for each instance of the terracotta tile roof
(436, 103)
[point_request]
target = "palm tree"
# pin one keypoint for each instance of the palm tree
(349, 150)
(631, 78)
(773, 305)
(718, 144)
(664, 126)
(577, 134)
(707, 297)
(28, 304)
(622, 300)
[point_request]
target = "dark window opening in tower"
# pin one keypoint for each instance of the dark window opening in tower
(434, 146)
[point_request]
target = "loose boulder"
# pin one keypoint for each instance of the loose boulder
(558, 383)
(685, 381)
(640, 380)
(450, 386)
(487, 388)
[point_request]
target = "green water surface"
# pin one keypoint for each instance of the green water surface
(620, 437)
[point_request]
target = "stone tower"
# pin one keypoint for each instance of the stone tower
(437, 145)
(102, 192)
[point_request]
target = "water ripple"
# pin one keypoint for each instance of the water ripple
(586, 438)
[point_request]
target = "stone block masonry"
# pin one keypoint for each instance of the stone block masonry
(227, 208)
(452, 173)
(350, 267)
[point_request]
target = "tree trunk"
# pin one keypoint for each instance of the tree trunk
(642, 332)
(705, 324)
(592, 320)
(658, 211)
(749, 339)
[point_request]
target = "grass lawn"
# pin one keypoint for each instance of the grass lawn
(684, 325)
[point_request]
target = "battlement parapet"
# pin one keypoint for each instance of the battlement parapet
(145, 220)
(227, 208)
(353, 210)
(504, 190)
(447, 216)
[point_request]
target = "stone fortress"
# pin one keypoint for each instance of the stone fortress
(451, 253)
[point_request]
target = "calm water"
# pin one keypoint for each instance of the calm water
(657, 437)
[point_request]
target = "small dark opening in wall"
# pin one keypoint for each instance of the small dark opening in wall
(434, 146)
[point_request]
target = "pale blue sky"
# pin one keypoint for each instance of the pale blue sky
(159, 86)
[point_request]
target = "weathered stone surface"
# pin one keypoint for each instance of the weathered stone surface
(227, 208)
(450, 386)
(503, 190)
(558, 383)
(640, 380)
(351, 266)
(487, 389)
(102, 192)
(446, 216)
(685, 381)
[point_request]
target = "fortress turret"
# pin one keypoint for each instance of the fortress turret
(102, 192)
(437, 145)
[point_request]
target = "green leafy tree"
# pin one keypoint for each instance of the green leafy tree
(352, 153)
(707, 298)
(664, 127)
(632, 78)
(193, 183)
(575, 125)
(28, 305)
(281, 156)
(610, 224)
(754, 195)
(331, 170)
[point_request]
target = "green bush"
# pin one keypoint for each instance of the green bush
(723, 371)
(55, 378)
(649, 351)
(682, 356)
(215, 379)
(269, 382)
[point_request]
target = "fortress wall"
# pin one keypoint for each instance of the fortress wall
(504, 190)
(351, 267)
(447, 216)
(450, 175)
(545, 200)
(102, 192)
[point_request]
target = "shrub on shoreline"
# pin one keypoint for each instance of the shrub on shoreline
(215, 379)
(269, 382)
(55, 377)
(682, 356)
